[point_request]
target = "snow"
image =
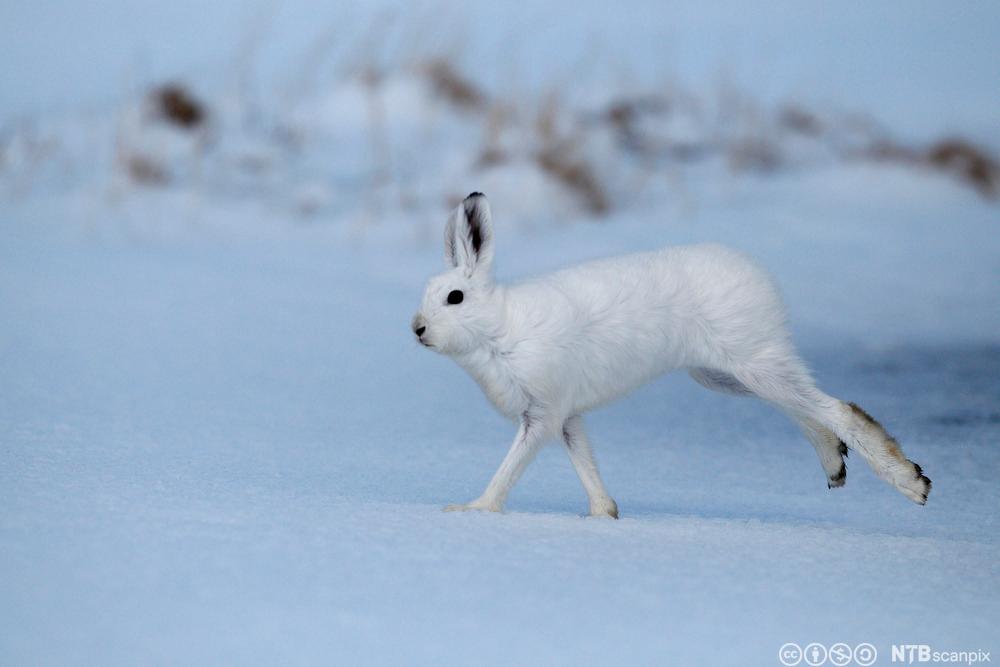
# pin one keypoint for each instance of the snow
(219, 443)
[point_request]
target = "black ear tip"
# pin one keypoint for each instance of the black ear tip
(474, 195)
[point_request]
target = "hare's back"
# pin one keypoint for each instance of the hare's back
(661, 278)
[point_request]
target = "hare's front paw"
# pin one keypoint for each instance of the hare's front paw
(604, 507)
(478, 505)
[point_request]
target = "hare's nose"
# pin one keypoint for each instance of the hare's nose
(418, 325)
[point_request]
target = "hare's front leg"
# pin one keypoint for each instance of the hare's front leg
(578, 447)
(530, 434)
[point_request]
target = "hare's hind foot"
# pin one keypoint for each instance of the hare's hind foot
(830, 449)
(912, 483)
(839, 478)
(883, 453)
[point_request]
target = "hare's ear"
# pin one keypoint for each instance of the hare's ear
(468, 238)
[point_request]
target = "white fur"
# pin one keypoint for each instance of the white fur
(547, 350)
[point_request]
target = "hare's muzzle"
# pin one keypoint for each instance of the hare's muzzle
(419, 326)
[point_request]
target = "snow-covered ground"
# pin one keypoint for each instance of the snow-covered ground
(220, 444)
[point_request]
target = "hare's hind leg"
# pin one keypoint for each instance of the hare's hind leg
(830, 450)
(784, 381)
(578, 448)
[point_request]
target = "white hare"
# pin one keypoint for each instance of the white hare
(547, 350)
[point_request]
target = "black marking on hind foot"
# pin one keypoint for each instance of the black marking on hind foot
(843, 449)
(837, 480)
(921, 476)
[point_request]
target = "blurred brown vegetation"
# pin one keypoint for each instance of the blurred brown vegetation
(597, 149)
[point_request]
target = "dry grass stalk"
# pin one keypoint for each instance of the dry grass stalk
(492, 153)
(754, 153)
(971, 164)
(145, 170)
(448, 83)
(176, 105)
(558, 157)
(575, 174)
(800, 120)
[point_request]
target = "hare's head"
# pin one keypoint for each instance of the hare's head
(459, 312)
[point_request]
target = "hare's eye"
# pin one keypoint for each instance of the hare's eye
(455, 296)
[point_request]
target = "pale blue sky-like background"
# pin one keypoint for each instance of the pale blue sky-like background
(923, 66)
